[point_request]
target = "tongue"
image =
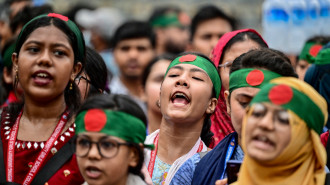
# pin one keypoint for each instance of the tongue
(180, 101)
(41, 81)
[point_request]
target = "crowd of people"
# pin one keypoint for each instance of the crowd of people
(90, 96)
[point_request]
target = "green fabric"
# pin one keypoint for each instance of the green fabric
(204, 64)
(305, 53)
(72, 26)
(299, 104)
(118, 124)
(166, 20)
(238, 79)
(7, 55)
(323, 57)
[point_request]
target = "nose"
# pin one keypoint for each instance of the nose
(133, 53)
(45, 58)
(94, 152)
(267, 122)
(182, 81)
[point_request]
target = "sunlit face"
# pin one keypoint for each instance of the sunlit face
(45, 64)
(208, 33)
(153, 83)
(98, 170)
(186, 94)
(239, 100)
(230, 55)
(267, 132)
(301, 68)
(132, 56)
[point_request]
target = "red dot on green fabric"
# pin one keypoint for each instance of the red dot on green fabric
(280, 94)
(255, 77)
(314, 50)
(188, 58)
(95, 120)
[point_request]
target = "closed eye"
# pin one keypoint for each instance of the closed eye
(199, 79)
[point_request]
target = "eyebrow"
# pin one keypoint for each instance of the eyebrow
(198, 70)
(54, 45)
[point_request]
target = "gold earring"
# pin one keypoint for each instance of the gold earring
(70, 85)
(16, 73)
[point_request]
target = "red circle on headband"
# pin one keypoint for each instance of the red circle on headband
(255, 77)
(314, 50)
(188, 58)
(95, 120)
(280, 94)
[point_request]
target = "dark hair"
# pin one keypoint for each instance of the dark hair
(147, 70)
(207, 13)
(123, 103)
(97, 72)
(206, 134)
(72, 97)
(26, 14)
(319, 39)
(133, 30)
(242, 37)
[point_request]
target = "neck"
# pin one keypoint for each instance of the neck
(154, 120)
(133, 85)
(176, 139)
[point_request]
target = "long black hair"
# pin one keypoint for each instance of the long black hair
(121, 103)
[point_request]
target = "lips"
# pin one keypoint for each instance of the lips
(263, 142)
(93, 172)
(180, 99)
(42, 78)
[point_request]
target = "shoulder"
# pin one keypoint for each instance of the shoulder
(186, 172)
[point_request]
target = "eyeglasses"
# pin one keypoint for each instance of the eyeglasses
(107, 148)
(77, 80)
(226, 65)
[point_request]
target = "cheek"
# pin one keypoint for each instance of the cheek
(236, 114)
(284, 137)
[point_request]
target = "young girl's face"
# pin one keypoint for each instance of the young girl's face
(106, 162)
(267, 132)
(186, 94)
(45, 64)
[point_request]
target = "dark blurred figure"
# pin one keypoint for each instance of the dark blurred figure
(93, 79)
(207, 26)
(171, 27)
(133, 49)
(17, 5)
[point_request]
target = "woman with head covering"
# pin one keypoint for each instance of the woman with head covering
(117, 127)
(35, 134)
(188, 97)
(230, 46)
(280, 139)
(248, 73)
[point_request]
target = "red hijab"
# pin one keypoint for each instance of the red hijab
(221, 122)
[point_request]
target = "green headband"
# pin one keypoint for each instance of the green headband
(72, 26)
(294, 100)
(250, 77)
(113, 123)
(7, 55)
(323, 57)
(166, 20)
(310, 51)
(202, 63)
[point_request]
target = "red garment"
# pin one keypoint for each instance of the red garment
(221, 122)
(67, 174)
(324, 138)
(11, 99)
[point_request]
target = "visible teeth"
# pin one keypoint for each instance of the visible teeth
(42, 75)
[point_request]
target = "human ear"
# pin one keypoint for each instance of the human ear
(7, 76)
(76, 69)
(227, 101)
(212, 105)
(14, 59)
(133, 157)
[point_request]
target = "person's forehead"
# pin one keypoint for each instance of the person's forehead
(141, 41)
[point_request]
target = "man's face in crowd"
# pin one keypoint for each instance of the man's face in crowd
(132, 56)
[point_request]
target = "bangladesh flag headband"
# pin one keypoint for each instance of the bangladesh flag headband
(202, 63)
(72, 26)
(249, 77)
(310, 51)
(113, 123)
(294, 100)
(323, 57)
